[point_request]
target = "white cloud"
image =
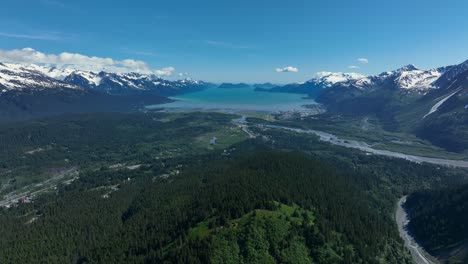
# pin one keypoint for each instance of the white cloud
(287, 69)
(165, 71)
(40, 36)
(353, 67)
(81, 62)
(183, 74)
(363, 60)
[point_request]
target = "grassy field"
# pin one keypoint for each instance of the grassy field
(291, 214)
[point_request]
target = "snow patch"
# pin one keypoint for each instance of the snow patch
(417, 79)
(328, 79)
(440, 103)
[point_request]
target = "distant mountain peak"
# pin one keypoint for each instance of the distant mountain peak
(328, 79)
(233, 85)
(417, 79)
(352, 75)
(409, 67)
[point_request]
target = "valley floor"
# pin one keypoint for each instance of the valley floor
(353, 144)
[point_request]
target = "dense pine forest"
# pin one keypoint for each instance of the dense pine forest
(33, 104)
(238, 207)
(151, 188)
(439, 219)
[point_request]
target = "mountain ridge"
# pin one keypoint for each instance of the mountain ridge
(18, 76)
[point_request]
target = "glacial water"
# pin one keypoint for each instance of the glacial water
(244, 99)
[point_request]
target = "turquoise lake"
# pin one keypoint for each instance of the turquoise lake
(245, 99)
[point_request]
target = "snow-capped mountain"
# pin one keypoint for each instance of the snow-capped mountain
(408, 77)
(318, 84)
(121, 83)
(17, 76)
(417, 79)
(328, 79)
(405, 89)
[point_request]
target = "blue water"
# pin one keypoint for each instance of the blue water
(245, 99)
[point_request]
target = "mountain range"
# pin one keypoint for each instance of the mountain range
(408, 77)
(433, 104)
(28, 91)
(38, 77)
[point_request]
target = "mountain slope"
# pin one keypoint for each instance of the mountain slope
(399, 98)
(438, 220)
(28, 91)
(452, 72)
(444, 114)
(407, 81)
(433, 104)
(26, 104)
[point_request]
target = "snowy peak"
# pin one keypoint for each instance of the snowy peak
(52, 72)
(413, 78)
(409, 67)
(118, 82)
(408, 77)
(328, 79)
(83, 79)
(17, 77)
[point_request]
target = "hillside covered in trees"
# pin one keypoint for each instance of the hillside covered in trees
(439, 219)
(262, 208)
(151, 188)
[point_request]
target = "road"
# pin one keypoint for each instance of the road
(417, 252)
(33, 190)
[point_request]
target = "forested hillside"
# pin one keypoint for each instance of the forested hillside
(439, 220)
(151, 188)
(20, 105)
(239, 207)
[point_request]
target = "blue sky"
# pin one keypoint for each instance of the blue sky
(245, 40)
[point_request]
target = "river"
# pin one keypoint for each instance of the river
(354, 144)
